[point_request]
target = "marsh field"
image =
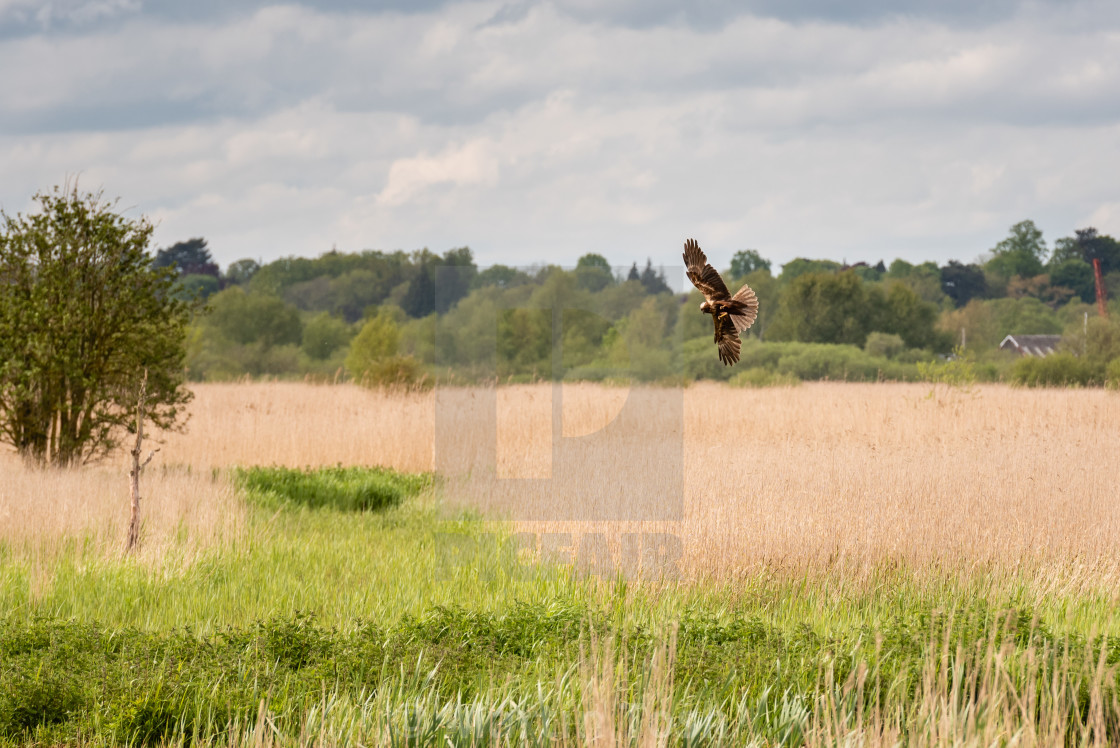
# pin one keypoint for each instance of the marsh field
(576, 564)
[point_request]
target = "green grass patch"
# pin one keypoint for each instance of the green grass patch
(346, 489)
(741, 677)
(390, 621)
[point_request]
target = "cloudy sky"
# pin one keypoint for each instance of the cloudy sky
(538, 131)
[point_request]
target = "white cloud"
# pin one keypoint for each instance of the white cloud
(473, 163)
(541, 134)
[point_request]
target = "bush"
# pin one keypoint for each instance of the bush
(374, 359)
(838, 362)
(958, 370)
(1112, 375)
(323, 335)
(883, 344)
(353, 489)
(789, 361)
(1057, 370)
(395, 371)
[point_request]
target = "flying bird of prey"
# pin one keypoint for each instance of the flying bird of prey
(730, 314)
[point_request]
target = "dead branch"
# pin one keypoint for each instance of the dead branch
(133, 541)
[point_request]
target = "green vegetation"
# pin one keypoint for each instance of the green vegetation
(402, 319)
(513, 676)
(402, 624)
(83, 315)
(1057, 370)
(957, 371)
(347, 489)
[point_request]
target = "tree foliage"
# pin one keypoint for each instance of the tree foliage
(1022, 253)
(324, 334)
(468, 323)
(654, 280)
(191, 257)
(1078, 276)
(83, 314)
(747, 261)
(593, 273)
(801, 266)
(962, 283)
(254, 317)
(242, 271)
(379, 339)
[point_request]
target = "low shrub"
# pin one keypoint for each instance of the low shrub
(352, 489)
(883, 344)
(958, 370)
(177, 687)
(1112, 375)
(1056, 370)
(395, 371)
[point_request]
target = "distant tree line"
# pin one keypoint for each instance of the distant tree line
(349, 314)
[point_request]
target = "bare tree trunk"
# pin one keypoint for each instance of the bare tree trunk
(134, 473)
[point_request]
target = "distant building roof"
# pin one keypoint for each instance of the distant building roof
(1031, 345)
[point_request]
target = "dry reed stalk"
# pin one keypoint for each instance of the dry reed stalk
(820, 476)
(47, 512)
(856, 476)
(299, 425)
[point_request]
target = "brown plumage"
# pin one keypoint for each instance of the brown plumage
(730, 314)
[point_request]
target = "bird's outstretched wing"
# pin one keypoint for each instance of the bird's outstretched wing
(727, 338)
(703, 276)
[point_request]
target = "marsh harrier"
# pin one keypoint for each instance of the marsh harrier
(730, 314)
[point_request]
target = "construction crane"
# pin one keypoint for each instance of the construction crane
(1102, 306)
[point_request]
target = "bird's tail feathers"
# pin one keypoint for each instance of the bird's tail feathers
(744, 308)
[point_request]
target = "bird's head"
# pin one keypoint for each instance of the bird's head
(706, 308)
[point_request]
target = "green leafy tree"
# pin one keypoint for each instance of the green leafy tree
(420, 300)
(592, 260)
(1094, 245)
(347, 295)
(242, 271)
(800, 266)
(1022, 253)
(822, 308)
(747, 261)
(524, 342)
(911, 318)
(454, 276)
(254, 317)
(374, 358)
(454, 272)
(197, 286)
(962, 283)
(83, 314)
(654, 280)
(191, 257)
(1085, 246)
(324, 334)
(593, 273)
(924, 279)
(869, 273)
(501, 276)
(639, 344)
(380, 337)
